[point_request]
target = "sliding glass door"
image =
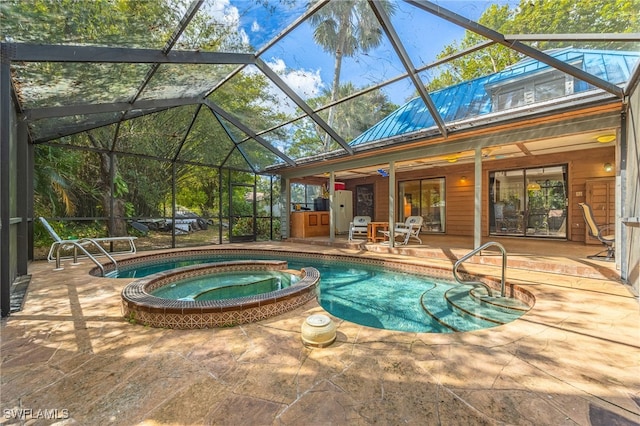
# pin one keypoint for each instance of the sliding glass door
(424, 198)
(529, 202)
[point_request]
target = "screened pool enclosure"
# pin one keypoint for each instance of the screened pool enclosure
(180, 122)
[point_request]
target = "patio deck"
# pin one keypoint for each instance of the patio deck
(573, 359)
(557, 256)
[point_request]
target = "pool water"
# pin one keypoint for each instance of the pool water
(226, 285)
(374, 296)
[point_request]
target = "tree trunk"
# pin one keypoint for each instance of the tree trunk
(336, 77)
(116, 225)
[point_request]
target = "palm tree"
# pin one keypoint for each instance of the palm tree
(345, 28)
(53, 176)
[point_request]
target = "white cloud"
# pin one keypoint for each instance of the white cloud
(222, 11)
(255, 27)
(306, 83)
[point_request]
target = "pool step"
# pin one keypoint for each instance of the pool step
(505, 304)
(456, 308)
(375, 315)
(491, 309)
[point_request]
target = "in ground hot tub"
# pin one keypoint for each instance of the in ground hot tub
(141, 306)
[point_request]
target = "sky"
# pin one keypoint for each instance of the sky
(309, 70)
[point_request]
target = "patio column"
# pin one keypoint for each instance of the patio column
(285, 214)
(477, 213)
(392, 202)
(173, 204)
(332, 210)
(5, 195)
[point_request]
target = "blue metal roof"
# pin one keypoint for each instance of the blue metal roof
(472, 98)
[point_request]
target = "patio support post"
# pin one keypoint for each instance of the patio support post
(332, 210)
(112, 188)
(392, 202)
(621, 231)
(477, 211)
(24, 170)
(173, 204)
(285, 219)
(220, 213)
(5, 175)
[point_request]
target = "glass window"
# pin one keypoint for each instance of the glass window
(510, 99)
(548, 85)
(549, 89)
(306, 197)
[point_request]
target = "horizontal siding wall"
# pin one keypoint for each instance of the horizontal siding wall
(582, 166)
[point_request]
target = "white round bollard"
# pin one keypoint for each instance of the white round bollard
(318, 331)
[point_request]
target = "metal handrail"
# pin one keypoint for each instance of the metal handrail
(472, 253)
(78, 245)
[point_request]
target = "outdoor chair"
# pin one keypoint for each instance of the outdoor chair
(407, 230)
(359, 226)
(81, 243)
(598, 232)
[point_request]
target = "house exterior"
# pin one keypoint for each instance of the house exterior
(530, 143)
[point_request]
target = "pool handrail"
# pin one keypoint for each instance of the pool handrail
(474, 252)
(79, 244)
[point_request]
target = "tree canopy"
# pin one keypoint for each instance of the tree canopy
(535, 17)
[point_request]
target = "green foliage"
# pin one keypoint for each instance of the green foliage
(345, 28)
(536, 17)
(53, 174)
(263, 229)
(575, 16)
(351, 118)
(129, 22)
(244, 226)
(67, 230)
(198, 190)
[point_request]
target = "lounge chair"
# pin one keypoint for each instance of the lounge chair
(359, 226)
(608, 240)
(80, 243)
(410, 229)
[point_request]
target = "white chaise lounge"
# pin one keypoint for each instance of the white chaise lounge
(60, 244)
(409, 229)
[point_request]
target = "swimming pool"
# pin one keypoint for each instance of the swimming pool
(372, 292)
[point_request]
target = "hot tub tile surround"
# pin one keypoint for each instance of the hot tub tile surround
(140, 306)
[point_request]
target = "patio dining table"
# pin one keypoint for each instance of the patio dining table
(372, 231)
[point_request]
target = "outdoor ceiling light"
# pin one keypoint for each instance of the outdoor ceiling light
(607, 167)
(533, 186)
(452, 159)
(606, 138)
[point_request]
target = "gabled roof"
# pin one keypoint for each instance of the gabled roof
(473, 98)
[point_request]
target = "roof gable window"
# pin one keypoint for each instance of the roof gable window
(539, 88)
